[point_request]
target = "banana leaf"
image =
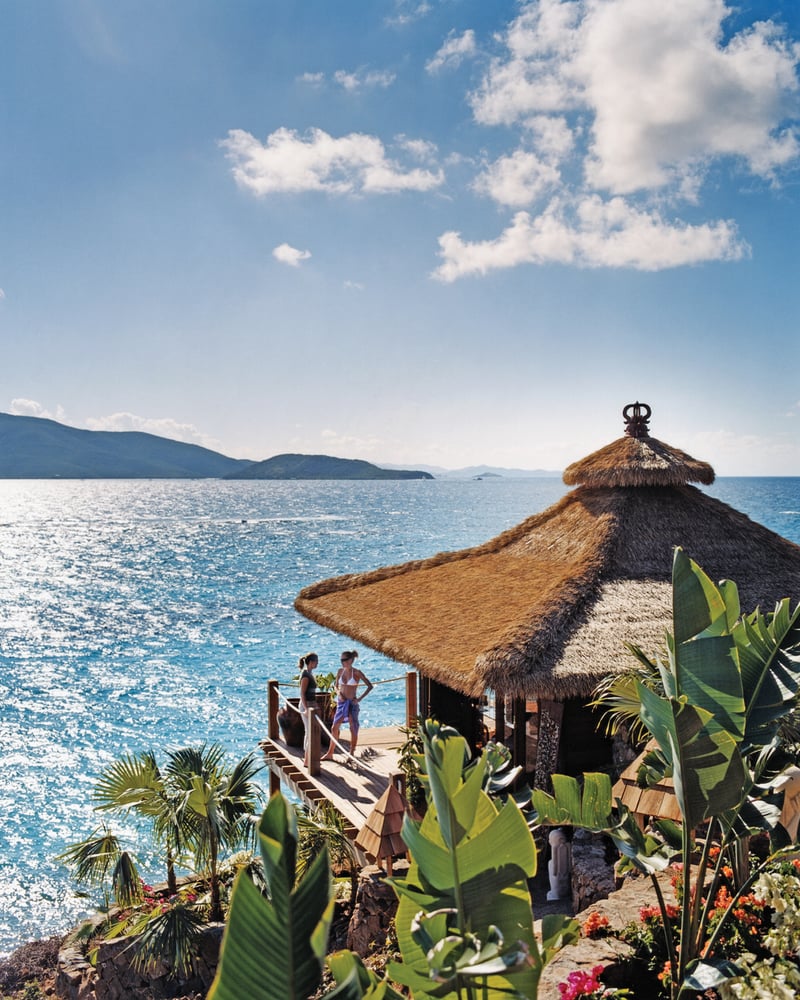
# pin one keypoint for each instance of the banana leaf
(273, 949)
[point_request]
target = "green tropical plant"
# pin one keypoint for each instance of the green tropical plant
(165, 932)
(214, 806)
(464, 921)
(726, 684)
(99, 856)
(409, 754)
(135, 784)
(199, 807)
(323, 827)
(273, 948)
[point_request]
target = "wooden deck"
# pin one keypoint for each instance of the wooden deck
(352, 790)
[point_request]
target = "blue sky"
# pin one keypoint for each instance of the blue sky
(449, 232)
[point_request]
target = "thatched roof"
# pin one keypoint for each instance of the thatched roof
(544, 609)
(631, 461)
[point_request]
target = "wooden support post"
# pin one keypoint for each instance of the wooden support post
(424, 700)
(272, 709)
(274, 782)
(313, 750)
(411, 699)
(519, 748)
(499, 716)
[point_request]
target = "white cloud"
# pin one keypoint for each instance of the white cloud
(354, 285)
(624, 106)
(362, 79)
(665, 93)
(518, 179)
(30, 408)
(2, 294)
(591, 232)
(420, 149)
(350, 444)
(290, 255)
(551, 136)
(455, 49)
(728, 451)
(161, 426)
(288, 162)
(408, 11)
(314, 79)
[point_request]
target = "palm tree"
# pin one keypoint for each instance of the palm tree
(213, 806)
(323, 828)
(99, 854)
(135, 784)
(197, 805)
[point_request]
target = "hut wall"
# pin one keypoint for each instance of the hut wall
(584, 747)
(457, 710)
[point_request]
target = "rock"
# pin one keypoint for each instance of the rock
(376, 905)
(620, 908)
(593, 875)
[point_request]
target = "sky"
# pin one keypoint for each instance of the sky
(419, 232)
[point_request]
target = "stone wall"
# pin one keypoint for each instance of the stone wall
(592, 877)
(114, 978)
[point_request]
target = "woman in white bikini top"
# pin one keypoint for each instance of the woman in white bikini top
(347, 703)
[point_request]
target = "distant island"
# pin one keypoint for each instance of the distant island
(37, 448)
(321, 467)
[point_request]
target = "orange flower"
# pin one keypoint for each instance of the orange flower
(595, 925)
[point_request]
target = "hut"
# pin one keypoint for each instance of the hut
(541, 613)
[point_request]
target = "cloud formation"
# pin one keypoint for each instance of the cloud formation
(290, 163)
(361, 79)
(591, 232)
(408, 11)
(161, 426)
(619, 111)
(623, 107)
(290, 255)
(30, 408)
(453, 52)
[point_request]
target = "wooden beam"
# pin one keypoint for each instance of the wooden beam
(273, 704)
(519, 747)
(499, 717)
(314, 748)
(411, 699)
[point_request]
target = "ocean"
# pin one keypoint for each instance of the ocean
(144, 614)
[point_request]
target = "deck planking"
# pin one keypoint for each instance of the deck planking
(352, 790)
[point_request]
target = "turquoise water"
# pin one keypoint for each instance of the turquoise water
(143, 614)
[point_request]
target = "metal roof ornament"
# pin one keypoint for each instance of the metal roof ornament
(636, 423)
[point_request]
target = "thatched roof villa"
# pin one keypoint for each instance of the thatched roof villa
(540, 614)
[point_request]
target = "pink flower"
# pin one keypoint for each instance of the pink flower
(580, 984)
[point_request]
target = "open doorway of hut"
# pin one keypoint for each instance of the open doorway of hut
(583, 745)
(454, 709)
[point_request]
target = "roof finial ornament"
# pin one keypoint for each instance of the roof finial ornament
(636, 424)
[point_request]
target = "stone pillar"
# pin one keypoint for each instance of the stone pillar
(376, 905)
(551, 714)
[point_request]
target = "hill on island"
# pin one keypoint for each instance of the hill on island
(36, 448)
(321, 467)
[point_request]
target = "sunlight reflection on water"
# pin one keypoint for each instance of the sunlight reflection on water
(139, 615)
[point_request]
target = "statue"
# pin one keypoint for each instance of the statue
(559, 865)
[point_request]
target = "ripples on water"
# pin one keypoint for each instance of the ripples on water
(146, 614)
